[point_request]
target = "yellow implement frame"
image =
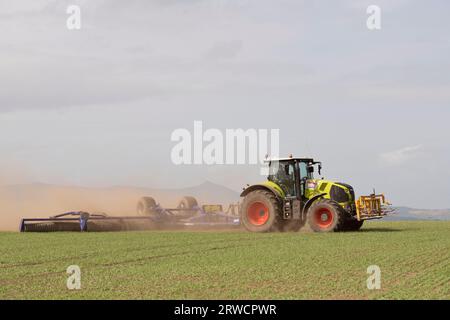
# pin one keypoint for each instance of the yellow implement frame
(233, 209)
(374, 206)
(212, 208)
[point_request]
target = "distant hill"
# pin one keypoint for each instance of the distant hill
(405, 213)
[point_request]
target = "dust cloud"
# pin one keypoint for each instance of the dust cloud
(35, 200)
(42, 200)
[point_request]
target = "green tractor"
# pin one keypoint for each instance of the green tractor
(291, 197)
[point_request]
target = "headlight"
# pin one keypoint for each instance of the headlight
(311, 184)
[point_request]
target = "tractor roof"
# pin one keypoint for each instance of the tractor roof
(290, 159)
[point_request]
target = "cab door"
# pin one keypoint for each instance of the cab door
(286, 178)
(302, 171)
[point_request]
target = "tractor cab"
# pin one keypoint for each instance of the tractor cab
(292, 175)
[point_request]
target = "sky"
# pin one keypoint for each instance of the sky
(97, 106)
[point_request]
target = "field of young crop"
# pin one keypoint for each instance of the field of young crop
(414, 259)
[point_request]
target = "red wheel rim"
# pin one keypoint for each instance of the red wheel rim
(323, 218)
(258, 213)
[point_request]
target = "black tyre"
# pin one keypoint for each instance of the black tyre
(260, 211)
(146, 206)
(187, 203)
(326, 216)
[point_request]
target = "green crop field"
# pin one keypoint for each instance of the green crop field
(414, 258)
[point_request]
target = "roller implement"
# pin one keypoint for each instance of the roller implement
(292, 197)
(150, 216)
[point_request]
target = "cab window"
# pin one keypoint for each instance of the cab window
(284, 176)
(304, 171)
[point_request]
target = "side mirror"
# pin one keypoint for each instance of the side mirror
(320, 169)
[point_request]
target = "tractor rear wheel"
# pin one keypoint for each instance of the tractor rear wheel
(326, 216)
(146, 206)
(260, 211)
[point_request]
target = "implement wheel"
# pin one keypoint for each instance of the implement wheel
(326, 216)
(146, 206)
(187, 203)
(260, 211)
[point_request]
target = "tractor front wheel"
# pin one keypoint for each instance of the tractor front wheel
(325, 216)
(260, 211)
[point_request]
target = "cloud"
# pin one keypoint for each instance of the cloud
(400, 156)
(225, 50)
